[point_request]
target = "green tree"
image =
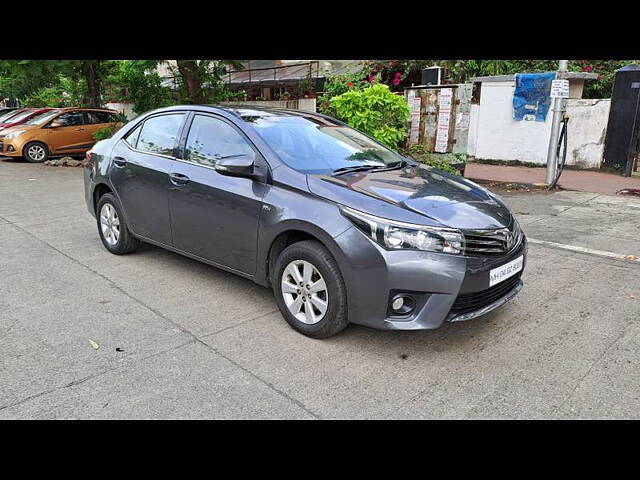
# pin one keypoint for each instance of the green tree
(201, 81)
(23, 78)
(138, 81)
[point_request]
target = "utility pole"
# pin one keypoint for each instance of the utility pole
(558, 114)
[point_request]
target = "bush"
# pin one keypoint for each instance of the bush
(376, 111)
(441, 161)
(337, 85)
(104, 133)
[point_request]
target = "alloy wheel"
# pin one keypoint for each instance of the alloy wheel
(110, 224)
(304, 291)
(36, 152)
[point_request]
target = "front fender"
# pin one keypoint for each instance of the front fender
(286, 210)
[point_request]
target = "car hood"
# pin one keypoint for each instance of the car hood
(399, 194)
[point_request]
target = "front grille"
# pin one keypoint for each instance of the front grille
(469, 302)
(1, 147)
(492, 242)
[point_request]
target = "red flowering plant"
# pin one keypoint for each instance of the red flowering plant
(602, 86)
(337, 85)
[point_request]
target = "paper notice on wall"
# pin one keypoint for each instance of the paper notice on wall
(559, 88)
(415, 102)
(444, 119)
(462, 120)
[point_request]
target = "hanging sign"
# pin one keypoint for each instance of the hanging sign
(560, 89)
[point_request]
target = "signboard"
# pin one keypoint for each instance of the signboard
(560, 89)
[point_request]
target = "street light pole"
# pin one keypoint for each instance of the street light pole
(558, 113)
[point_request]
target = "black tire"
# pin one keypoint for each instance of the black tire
(335, 318)
(28, 156)
(126, 242)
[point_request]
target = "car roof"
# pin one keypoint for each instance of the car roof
(65, 109)
(240, 110)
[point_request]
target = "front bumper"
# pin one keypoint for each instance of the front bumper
(8, 148)
(461, 317)
(372, 275)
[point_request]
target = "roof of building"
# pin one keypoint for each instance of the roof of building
(282, 71)
(508, 78)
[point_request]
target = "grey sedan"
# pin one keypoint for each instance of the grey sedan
(342, 228)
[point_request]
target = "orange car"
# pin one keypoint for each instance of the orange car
(62, 131)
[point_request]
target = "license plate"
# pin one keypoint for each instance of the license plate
(507, 270)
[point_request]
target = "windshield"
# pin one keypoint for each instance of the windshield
(43, 117)
(20, 116)
(315, 145)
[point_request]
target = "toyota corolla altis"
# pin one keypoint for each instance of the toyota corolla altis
(341, 228)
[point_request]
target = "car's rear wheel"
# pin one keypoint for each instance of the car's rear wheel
(35, 152)
(112, 227)
(309, 290)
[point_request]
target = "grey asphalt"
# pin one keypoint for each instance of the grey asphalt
(179, 339)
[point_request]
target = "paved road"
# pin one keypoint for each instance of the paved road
(179, 339)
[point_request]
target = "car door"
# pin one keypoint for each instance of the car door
(215, 216)
(67, 133)
(141, 163)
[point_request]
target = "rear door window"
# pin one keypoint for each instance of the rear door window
(159, 134)
(99, 117)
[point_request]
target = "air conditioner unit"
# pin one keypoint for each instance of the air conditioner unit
(432, 76)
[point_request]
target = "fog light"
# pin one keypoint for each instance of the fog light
(402, 304)
(397, 303)
(11, 149)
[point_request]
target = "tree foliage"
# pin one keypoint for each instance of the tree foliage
(91, 83)
(398, 74)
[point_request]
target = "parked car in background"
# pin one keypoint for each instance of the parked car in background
(60, 131)
(7, 113)
(4, 110)
(341, 227)
(22, 116)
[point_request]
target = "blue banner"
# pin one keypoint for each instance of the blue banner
(531, 97)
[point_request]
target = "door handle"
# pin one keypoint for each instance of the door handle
(79, 129)
(178, 179)
(119, 161)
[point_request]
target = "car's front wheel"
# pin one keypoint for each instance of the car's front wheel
(35, 152)
(309, 290)
(112, 226)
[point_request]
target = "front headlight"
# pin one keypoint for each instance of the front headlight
(11, 135)
(394, 235)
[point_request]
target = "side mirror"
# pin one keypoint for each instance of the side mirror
(56, 124)
(235, 165)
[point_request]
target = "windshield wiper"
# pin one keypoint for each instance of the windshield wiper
(362, 168)
(358, 168)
